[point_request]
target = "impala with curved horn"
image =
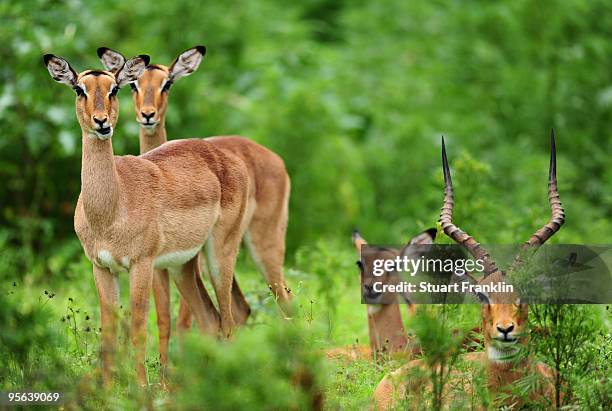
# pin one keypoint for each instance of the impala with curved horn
(504, 317)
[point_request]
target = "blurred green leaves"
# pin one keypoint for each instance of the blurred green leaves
(262, 368)
(353, 95)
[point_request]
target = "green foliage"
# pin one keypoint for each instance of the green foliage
(354, 96)
(30, 353)
(324, 261)
(353, 383)
(563, 339)
(263, 368)
(441, 347)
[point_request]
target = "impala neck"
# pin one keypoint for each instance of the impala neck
(152, 138)
(99, 181)
(502, 373)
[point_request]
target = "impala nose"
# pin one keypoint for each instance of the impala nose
(369, 292)
(505, 330)
(147, 115)
(100, 121)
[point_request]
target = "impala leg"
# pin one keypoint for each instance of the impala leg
(190, 286)
(108, 293)
(265, 241)
(240, 306)
(184, 321)
(221, 258)
(161, 294)
(141, 278)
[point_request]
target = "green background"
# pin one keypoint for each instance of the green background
(354, 95)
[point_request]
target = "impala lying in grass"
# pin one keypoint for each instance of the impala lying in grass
(504, 321)
(386, 330)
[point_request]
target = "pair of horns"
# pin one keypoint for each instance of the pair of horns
(535, 241)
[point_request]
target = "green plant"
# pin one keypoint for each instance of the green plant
(261, 368)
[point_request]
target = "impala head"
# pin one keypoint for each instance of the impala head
(504, 325)
(150, 92)
(96, 102)
(367, 282)
(504, 317)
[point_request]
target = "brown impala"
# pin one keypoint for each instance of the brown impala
(267, 205)
(386, 330)
(504, 317)
(154, 211)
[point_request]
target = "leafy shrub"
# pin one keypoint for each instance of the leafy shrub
(262, 368)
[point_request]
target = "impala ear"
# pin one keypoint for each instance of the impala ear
(131, 70)
(187, 62)
(60, 70)
(426, 237)
(113, 60)
(358, 240)
(483, 298)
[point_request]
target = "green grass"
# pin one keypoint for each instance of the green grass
(59, 325)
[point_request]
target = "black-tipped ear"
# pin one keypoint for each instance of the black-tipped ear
(201, 49)
(60, 70)
(426, 237)
(187, 62)
(146, 58)
(483, 298)
(131, 70)
(101, 51)
(432, 232)
(112, 60)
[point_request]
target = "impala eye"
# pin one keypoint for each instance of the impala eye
(79, 90)
(114, 91)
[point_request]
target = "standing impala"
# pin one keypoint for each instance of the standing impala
(504, 317)
(267, 208)
(152, 211)
(152, 135)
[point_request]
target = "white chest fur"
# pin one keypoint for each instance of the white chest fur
(374, 308)
(498, 355)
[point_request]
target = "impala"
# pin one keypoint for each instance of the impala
(150, 101)
(267, 207)
(386, 330)
(154, 211)
(504, 317)
(269, 185)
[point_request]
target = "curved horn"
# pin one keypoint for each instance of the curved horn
(454, 232)
(558, 214)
